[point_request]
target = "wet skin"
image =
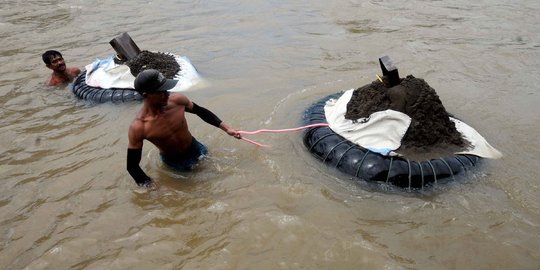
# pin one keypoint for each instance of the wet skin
(61, 74)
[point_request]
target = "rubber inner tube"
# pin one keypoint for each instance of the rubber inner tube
(349, 158)
(101, 95)
(186, 74)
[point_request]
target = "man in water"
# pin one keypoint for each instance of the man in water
(161, 121)
(61, 74)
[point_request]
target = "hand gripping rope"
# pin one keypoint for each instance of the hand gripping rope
(275, 131)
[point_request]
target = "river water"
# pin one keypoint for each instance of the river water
(67, 202)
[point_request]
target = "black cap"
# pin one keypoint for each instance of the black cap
(151, 80)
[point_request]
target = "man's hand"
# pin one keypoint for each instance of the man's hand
(231, 131)
(151, 185)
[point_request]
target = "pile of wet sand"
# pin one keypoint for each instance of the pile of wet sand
(431, 132)
(163, 62)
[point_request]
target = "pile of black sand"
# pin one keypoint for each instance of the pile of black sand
(430, 131)
(163, 62)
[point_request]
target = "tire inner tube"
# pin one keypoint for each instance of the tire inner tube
(349, 158)
(186, 74)
(101, 95)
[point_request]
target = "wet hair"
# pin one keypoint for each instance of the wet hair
(48, 55)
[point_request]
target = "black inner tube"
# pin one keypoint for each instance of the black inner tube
(338, 152)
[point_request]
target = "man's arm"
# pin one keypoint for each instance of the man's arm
(205, 114)
(212, 119)
(134, 154)
(133, 159)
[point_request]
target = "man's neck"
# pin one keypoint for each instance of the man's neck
(152, 111)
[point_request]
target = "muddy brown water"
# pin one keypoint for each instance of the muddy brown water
(66, 201)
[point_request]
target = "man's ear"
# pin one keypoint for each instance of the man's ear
(49, 66)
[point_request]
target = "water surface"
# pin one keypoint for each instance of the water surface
(67, 202)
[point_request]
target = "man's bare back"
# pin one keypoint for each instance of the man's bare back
(166, 128)
(162, 121)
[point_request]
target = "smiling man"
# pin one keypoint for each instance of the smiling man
(162, 121)
(61, 74)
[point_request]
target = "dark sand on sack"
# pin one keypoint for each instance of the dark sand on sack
(163, 62)
(431, 133)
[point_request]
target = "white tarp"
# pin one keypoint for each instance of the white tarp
(107, 74)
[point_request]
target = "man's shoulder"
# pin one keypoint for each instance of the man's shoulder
(136, 128)
(178, 99)
(74, 71)
(137, 122)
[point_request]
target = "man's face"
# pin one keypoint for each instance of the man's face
(57, 63)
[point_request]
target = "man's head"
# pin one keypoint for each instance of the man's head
(152, 81)
(54, 60)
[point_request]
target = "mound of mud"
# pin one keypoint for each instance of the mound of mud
(163, 62)
(430, 126)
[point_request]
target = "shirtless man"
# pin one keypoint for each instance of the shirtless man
(161, 121)
(61, 74)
